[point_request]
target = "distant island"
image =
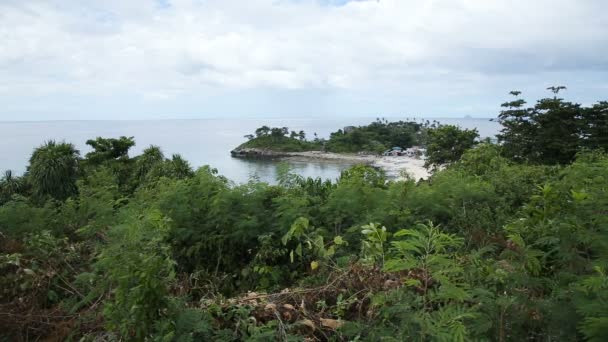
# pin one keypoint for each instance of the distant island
(376, 144)
(373, 139)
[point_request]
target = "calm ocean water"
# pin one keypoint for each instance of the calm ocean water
(201, 142)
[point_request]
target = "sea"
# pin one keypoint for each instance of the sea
(200, 141)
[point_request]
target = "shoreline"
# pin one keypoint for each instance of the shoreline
(394, 166)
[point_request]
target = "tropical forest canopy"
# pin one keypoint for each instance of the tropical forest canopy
(505, 242)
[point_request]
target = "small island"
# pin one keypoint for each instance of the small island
(395, 147)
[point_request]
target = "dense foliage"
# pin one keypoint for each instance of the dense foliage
(447, 143)
(279, 139)
(553, 130)
(376, 137)
(145, 248)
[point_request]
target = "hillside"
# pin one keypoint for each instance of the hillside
(504, 242)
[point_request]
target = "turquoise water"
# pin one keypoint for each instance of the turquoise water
(201, 142)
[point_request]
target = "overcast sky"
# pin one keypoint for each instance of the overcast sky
(139, 59)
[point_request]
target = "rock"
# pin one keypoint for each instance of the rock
(246, 152)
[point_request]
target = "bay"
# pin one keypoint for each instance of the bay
(200, 141)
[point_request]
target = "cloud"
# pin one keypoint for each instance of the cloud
(194, 50)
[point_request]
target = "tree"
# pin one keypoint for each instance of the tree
(179, 167)
(176, 168)
(53, 170)
(518, 130)
(595, 126)
(105, 149)
(278, 133)
(150, 157)
(558, 130)
(302, 135)
(556, 89)
(9, 185)
(262, 131)
(552, 131)
(446, 144)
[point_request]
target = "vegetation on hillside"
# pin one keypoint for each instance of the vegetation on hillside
(447, 143)
(376, 137)
(553, 130)
(499, 245)
(280, 139)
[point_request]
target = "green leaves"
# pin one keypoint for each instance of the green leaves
(308, 238)
(516, 252)
(53, 170)
(373, 247)
(430, 254)
(137, 264)
(552, 131)
(447, 143)
(592, 304)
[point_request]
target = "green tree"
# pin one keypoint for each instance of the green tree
(10, 185)
(558, 131)
(137, 264)
(278, 133)
(262, 131)
(175, 168)
(105, 149)
(553, 130)
(446, 144)
(517, 135)
(53, 170)
(151, 157)
(595, 126)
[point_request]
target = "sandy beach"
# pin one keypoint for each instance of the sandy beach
(395, 167)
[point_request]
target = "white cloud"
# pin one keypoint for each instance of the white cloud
(171, 50)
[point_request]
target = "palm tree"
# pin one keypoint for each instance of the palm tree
(53, 170)
(9, 185)
(150, 157)
(180, 168)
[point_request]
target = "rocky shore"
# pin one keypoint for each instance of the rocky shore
(395, 167)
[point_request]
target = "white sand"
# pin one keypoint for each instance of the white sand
(395, 167)
(400, 167)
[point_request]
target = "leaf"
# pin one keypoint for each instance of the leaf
(29, 271)
(338, 240)
(314, 265)
(396, 265)
(517, 239)
(412, 282)
(291, 256)
(299, 250)
(403, 232)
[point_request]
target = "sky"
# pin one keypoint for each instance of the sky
(156, 59)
